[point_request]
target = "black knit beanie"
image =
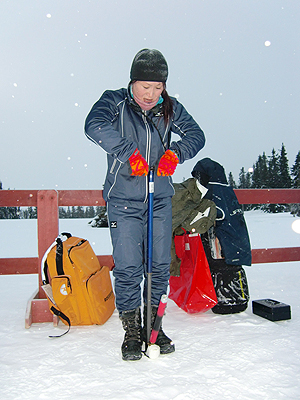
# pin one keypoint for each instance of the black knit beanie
(149, 65)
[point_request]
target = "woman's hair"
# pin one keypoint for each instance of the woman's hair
(167, 105)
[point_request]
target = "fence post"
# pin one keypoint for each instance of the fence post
(47, 213)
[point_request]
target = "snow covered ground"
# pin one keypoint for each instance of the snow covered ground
(240, 356)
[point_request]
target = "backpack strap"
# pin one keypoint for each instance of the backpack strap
(44, 265)
(59, 256)
(60, 252)
(64, 317)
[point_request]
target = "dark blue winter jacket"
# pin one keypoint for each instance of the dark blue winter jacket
(118, 125)
(231, 229)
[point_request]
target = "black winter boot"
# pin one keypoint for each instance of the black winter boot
(132, 344)
(163, 341)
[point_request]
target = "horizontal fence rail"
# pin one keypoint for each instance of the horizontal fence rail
(268, 196)
(48, 203)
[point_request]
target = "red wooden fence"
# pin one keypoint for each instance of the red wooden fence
(49, 201)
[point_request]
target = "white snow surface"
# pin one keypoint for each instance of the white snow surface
(240, 356)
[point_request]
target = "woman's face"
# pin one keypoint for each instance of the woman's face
(147, 93)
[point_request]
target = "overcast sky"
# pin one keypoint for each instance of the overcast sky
(234, 64)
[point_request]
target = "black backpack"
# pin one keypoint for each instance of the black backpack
(230, 281)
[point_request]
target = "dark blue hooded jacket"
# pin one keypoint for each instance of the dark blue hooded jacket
(118, 125)
(231, 229)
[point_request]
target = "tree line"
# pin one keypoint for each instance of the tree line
(64, 212)
(270, 172)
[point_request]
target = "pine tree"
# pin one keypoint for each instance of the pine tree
(248, 180)
(242, 179)
(13, 212)
(260, 175)
(80, 212)
(68, 212)
(245, 179)
(62, 213)
(274, 181)
(279, 177)
(273, 169)
(284, 174)
(264, 171)
(90, 212)
(245, 183)
(295, 172)
(32, 212)
(231, 180)
(256, 176)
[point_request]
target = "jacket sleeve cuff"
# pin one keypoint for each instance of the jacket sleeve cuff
(177, 152)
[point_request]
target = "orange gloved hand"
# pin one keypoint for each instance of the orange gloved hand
(138, 164)
(167, 164)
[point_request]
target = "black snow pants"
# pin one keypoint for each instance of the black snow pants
(128, 229)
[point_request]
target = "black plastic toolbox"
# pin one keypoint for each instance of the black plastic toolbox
(272, 310)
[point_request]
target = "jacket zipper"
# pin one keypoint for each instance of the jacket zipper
(148, 146)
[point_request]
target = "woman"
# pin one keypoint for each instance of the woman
(134, 127)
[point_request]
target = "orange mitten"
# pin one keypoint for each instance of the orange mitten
(167, 164)
(138, 164)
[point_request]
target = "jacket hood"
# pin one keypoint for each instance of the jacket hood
(207, 170)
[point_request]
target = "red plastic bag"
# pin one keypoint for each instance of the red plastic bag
(193, 290)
